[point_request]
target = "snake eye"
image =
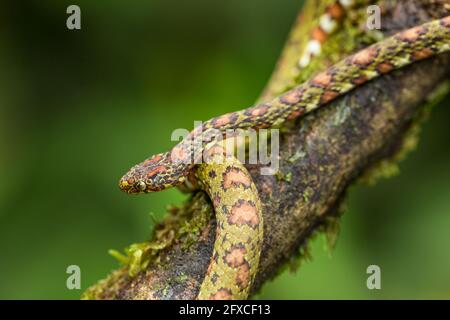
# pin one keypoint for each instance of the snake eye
(141, 186)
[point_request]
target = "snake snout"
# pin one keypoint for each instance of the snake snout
(133, 181)
(154, 174)
(129, 185)
(126, 186)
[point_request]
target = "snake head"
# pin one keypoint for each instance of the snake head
(154, 174)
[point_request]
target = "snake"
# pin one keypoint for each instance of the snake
(236, 203)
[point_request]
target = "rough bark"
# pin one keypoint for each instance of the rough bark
(320, 157)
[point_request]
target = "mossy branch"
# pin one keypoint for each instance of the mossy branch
(360, 134)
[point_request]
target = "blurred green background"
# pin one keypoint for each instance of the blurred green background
(78, 108)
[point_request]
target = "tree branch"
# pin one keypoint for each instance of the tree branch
(321, 155)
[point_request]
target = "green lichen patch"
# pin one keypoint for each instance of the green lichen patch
(296, 156)
(107, 288)
(283, 176)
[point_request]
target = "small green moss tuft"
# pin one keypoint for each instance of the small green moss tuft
(296, 156)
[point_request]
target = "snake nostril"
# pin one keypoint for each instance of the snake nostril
(123, 184)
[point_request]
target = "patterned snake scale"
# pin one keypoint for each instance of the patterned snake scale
(238, 210)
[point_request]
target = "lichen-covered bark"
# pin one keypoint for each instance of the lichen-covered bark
(320, 156)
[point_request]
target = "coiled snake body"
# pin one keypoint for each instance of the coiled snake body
(229, 185)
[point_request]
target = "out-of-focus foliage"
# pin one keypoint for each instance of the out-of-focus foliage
(77, 108)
